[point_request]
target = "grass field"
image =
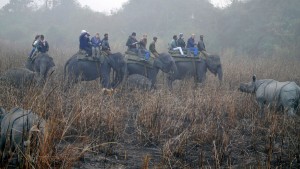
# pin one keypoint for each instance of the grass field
(211, 126)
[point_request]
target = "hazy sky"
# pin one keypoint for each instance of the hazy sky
(107, 5)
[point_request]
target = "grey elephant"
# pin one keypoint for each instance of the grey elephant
(18, 77)
(17, 129)
(137, 81)
(281, 95)
(163, 62)
(197, 68)
(76, 70)
(42, 64)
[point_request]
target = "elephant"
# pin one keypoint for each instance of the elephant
(17, 129)
(137, 81)
(197, 68)
(281, 95)
(86, 70)
(19, 78)
(163, 62)
(41, 64)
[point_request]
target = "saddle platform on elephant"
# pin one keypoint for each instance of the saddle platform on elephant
(83, 56)
(132, 57)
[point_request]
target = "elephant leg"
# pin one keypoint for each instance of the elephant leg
(105, 73)
(201, 72)
(42, 74)
(220, 73)
(153, 82)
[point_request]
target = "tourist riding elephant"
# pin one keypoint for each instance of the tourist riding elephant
(41, 64)
(280, 95)
(86, 70)
(17, 128)
(163, 62)
(197, 69)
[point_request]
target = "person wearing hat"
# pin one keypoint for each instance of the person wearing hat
(152, 48)
(174, 45)
(85, 43)
(132, 43)
(201, 46)
(105, 44)
(180, 41)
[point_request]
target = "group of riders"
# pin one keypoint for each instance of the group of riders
(94, 46)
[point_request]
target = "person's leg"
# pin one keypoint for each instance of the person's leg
(93, 51)
(97, 52)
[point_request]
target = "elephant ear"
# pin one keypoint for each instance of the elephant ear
(158, 64)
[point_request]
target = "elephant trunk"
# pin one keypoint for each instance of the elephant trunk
(29, 64)
(174, 69)
(119, 77)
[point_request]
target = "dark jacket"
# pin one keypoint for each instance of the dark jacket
(105, 44)
(130, 43)
(152, 47)
(181, 43)
(96, 42)
(84, 42)
(43, 47)
(190, 43)
(201, 46)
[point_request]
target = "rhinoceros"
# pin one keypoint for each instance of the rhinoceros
(16, 128)
(284, 95)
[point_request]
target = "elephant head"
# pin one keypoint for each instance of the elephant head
(249, 87)
(213, 64)
(166, 63)
(118, 63)
(41, 64)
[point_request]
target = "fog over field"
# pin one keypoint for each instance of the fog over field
(211, 124)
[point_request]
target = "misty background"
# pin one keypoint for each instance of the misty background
(251, 27)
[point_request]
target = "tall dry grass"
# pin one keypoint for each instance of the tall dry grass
(207, 127)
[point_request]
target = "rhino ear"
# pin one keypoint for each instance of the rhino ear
(254, 78)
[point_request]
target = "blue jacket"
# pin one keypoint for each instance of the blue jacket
(190, 43)
(96, 42)
(84, 42)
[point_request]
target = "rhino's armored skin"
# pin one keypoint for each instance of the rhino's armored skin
(15, 126)
(284, 95)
